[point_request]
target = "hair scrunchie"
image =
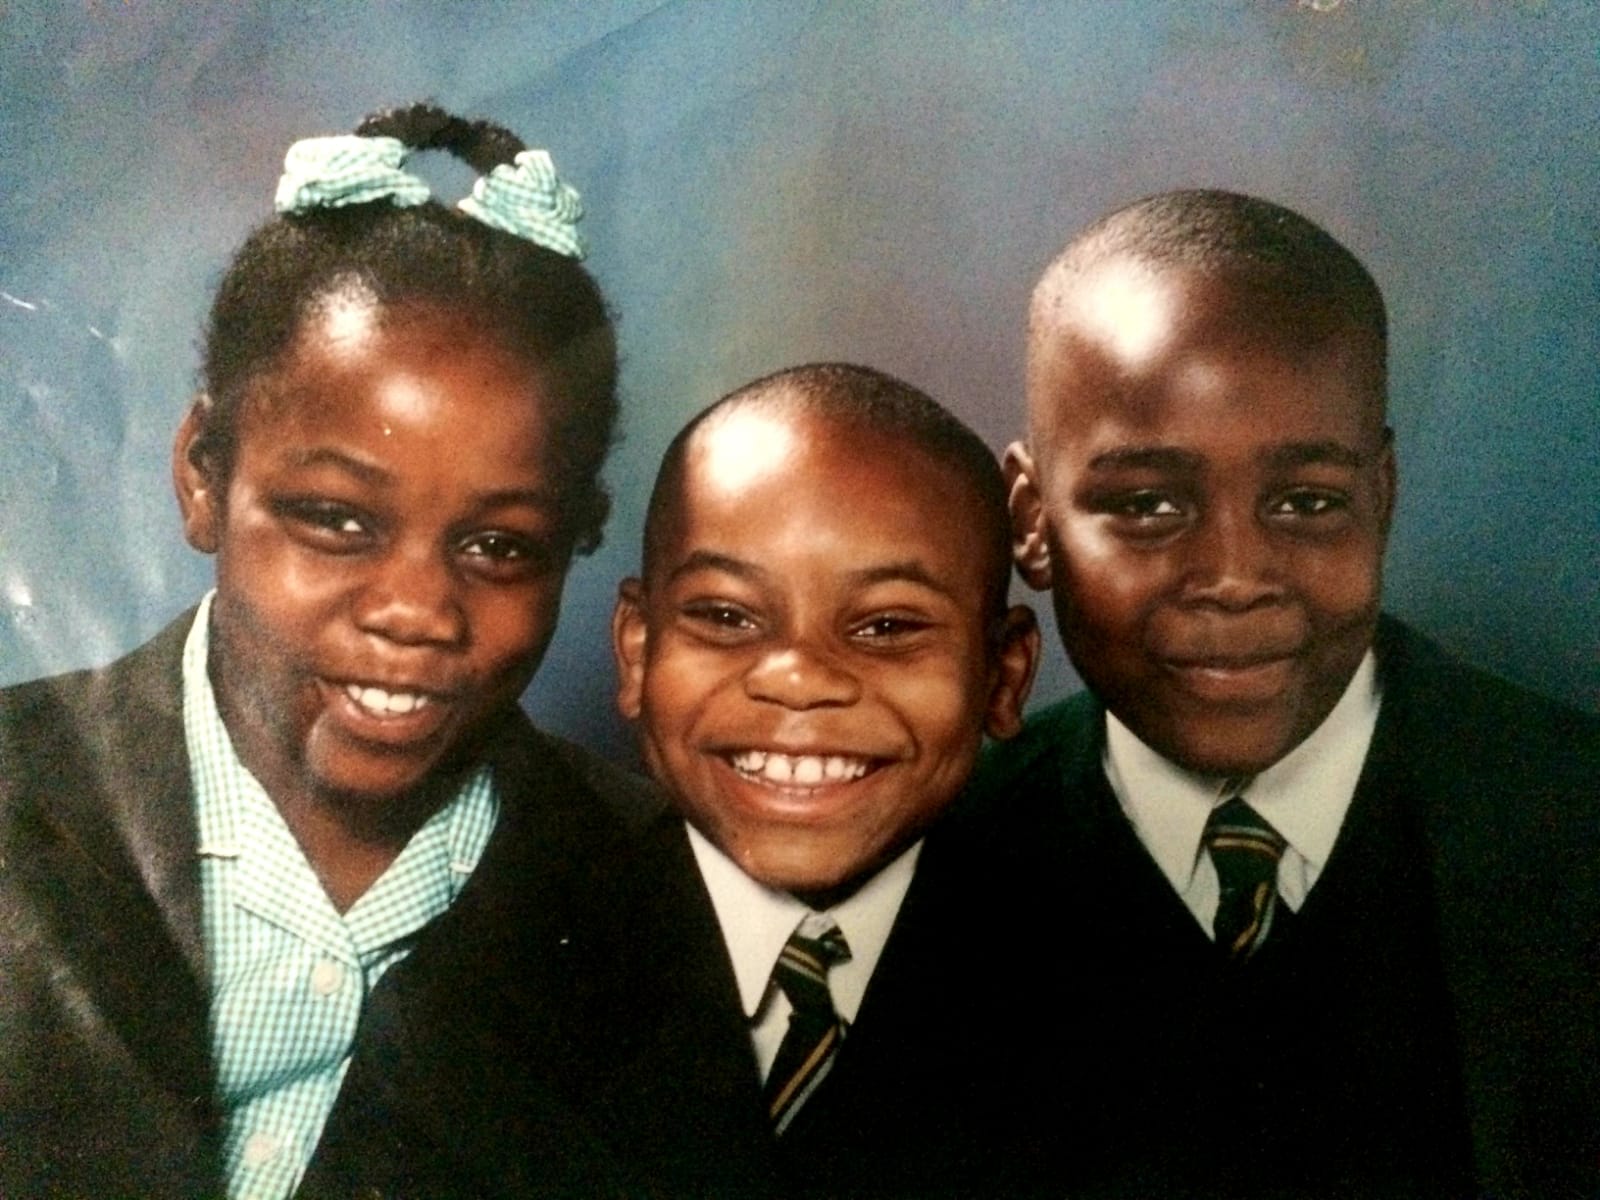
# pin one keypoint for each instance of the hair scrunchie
(526, 198)
(331, 172)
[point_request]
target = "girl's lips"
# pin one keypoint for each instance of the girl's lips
(390, 716)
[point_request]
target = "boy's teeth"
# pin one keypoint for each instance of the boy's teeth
(377, 700)
(804, 769)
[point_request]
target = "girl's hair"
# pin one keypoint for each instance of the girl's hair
(540, 304)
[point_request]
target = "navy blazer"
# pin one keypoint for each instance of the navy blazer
(1496, 790)
(106, 1082)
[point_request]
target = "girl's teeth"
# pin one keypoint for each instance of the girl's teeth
(377, 700)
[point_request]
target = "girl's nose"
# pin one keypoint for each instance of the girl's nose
(799, 678)
(412, 598)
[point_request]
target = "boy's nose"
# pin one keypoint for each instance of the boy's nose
(412, 599)
(799, 678)
(1232, 562)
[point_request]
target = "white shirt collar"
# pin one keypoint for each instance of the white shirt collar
(1304, 795)
(757, 920)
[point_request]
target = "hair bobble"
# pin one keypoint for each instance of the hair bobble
(526, 199)
(331, 172)
(529, 199)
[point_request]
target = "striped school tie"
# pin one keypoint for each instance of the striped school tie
(815, 1029)
(1245, 850)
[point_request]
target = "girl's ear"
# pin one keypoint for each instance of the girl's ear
(198, 499)
(1016, 661)
(630, 635)
(1029, 545)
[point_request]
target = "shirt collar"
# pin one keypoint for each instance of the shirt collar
(1304, 795)
(757, 920)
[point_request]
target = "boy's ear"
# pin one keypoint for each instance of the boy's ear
(1029, 546)
(192, 479)
(1017, 659)
(630, 635)
(1388, 480)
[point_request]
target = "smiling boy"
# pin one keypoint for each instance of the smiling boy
(1394, 855)
(817, 645)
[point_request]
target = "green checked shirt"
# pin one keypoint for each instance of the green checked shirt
(289, 974)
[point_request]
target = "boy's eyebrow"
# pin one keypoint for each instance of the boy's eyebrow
(1148, 458)
(907, 571)
(710, 560)
(1301, 454)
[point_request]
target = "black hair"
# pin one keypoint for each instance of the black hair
(542, 305)
(1219, 232)
(868, 400)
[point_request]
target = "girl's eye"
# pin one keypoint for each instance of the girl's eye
(339, 524)
(503, 552)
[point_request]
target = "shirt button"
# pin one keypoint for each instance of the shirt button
(327, 977)
(259, 1148)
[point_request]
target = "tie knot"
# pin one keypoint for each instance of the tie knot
(1236, 831)
(803, 963)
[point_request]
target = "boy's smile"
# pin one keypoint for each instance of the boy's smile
(1208, 494)
(390, 555)
(810, 650)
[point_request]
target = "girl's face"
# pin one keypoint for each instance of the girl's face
(390, 551)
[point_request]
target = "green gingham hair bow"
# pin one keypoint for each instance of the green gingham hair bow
(526, 199)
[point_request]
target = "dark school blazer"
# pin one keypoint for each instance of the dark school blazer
(657, 1062)
(1499, 788)
(106, 1083)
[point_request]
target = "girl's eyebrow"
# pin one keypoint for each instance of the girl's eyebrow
(326, 455)
(376, 476)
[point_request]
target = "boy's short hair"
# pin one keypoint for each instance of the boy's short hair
(869, 400)
(1225, 233)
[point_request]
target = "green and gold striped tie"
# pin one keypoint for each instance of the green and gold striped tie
(815, 1029)
(1246, 851)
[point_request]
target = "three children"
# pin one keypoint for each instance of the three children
(1247, 918)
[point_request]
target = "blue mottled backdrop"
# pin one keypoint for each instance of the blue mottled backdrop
(775, 182)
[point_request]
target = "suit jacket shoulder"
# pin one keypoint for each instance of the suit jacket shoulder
(105, 1080)
(1502, 783)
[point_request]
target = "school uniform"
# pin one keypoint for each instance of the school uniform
(665, 1076)
(107, 1081)
(1424, 1022)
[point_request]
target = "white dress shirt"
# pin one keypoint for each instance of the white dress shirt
(1304, 796)
(757, 920)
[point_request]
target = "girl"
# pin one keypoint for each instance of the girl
(213, 851)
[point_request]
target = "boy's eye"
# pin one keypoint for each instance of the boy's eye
(886, 628)
(1144, 506)
(720, 620)
(1308, 502)
(1141, 512)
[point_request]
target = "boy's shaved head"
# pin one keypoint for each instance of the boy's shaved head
(1300, 274)
(858, 397)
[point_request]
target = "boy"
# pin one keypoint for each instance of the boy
(816, 646)
(1394, 854)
